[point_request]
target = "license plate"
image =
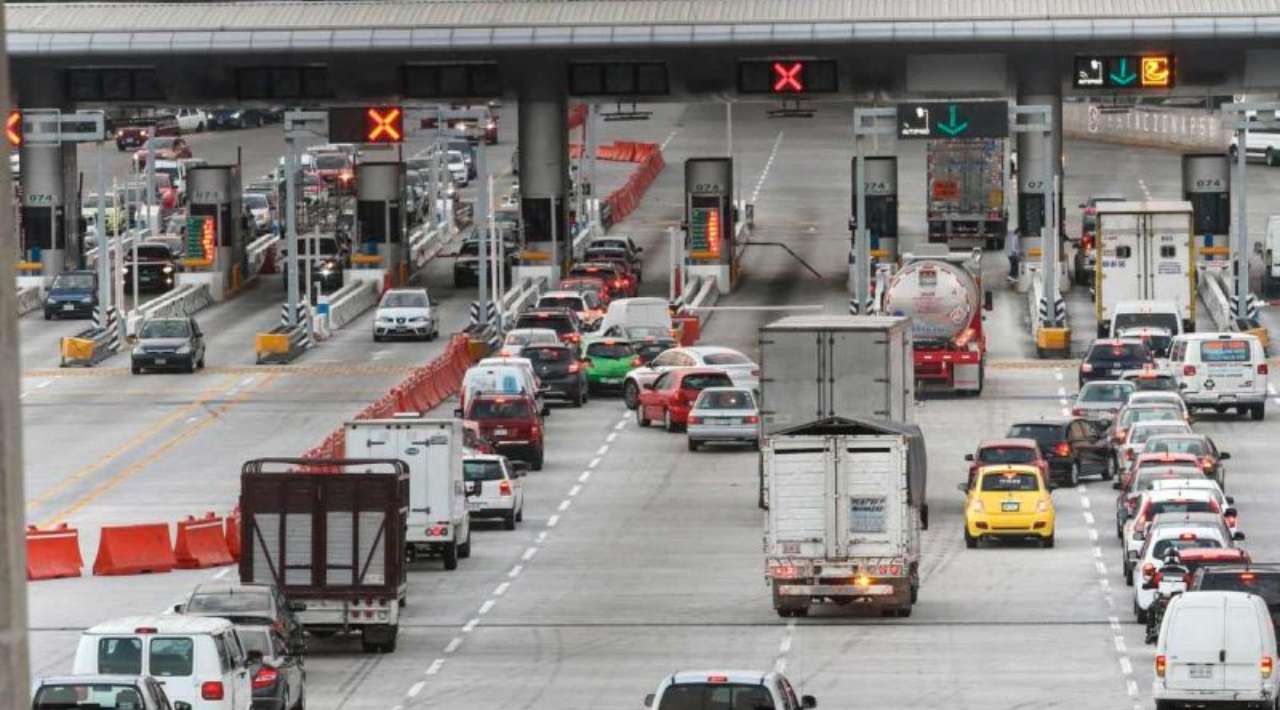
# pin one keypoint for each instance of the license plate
(610, 380)
(1200, 671)
(1009, 506)
(475, 505)
(68, 307)
(161, 361)
(1227, 397)
(499, 432)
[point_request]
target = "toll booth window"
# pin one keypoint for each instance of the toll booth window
(1214, 351)
(1123, 252)
(1168, 252)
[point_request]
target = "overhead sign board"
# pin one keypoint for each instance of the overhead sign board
(788, 77)
(953, 119)
(1128, 71)
(366, 124)
(451, 80)
(48, 126)
(618, 79)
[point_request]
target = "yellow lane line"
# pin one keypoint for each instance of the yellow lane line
(155, 455)
(353, 368)
(130, 443)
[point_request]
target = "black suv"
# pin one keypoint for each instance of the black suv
(560, 371)
(1260, 579)
(564, 322)
(1108, 359)
(1073, 448)
(156, 265)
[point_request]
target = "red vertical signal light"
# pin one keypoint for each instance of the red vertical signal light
(787, 78)
(13, 128)
(384, 125)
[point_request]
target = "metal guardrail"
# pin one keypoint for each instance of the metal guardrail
(29, 299)
(688, 290)
(181, 301)
(347, 303)
(706, 296)
(126, 243)
(1050, 341)
(281, 344)
(593, 227)
(521, 297)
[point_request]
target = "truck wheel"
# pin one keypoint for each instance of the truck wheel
(509, 521)
(1259, 411)
(451, 556)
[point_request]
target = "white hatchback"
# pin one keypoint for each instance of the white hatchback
(405, 313)
(495, 488)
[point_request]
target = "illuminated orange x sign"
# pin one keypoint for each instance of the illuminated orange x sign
(786, 78)
(13, 128)
(385, 125)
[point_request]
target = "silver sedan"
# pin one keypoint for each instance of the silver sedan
(1100, 400)
(724, 414)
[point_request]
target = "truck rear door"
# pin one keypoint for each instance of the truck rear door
(1121, 261)
(1169, 261)
(872, 495)
(798, 509)
(854, 375)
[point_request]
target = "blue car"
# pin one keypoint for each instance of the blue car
(73, 294)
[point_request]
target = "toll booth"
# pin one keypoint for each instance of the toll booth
(1206, 184)
(214, 193)
(1033, 197)
(380, 224)
(44, 208)
(709, 219)
(881, 189)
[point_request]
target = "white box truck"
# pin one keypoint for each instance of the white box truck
(439, 523)
(847, 507)
(816, 367)
(1146, 253)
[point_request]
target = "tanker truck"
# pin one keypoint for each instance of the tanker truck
(941, 292)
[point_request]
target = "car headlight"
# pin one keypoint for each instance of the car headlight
(384, 320)
(184, 350)
(86, 299)
(418, 319)
(168, 269)
(139, 351)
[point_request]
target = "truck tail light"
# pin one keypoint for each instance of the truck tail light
(1162, 664)
(1266, 665)
(785, 572)
(1262, 369)
(1077, 412)
(1086, 367)
(1188, 370)
(212, 690)
(265, 677)
(504, 488)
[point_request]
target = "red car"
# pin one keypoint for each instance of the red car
(588, 285)
(337, 171)
(1159, 459)
(614, 275)
(1007, 451)
(670, 397)
(511, 422)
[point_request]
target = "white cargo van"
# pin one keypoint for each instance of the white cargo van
(627, 313)
(438, 521)
(514, 377)
(1154, 322)
(1220, 371)
(1216, 647)
(1146, 253)
(198, 659)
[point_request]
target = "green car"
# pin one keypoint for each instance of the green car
(608, 362)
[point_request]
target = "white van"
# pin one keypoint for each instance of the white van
(625, 314)
(199, 659)
(1221, 370)
(1154, 322)
(502, 375)
(1216, 647)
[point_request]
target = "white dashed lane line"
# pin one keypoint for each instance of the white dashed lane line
(764, 174)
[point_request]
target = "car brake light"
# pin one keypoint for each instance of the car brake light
(1247, 576)
(636, 361)
(575, 367)
(211, 690)
(1262, 368)
(265, 677)
(1187, 536)
(1161, 664)
(1086, 241)
(504, 488)
(1086, 367)
(1148, 571)
(1188, 370)
(145, 630)
(751, 419)
(1206, 463)
(1062, 448)
(1077, 411)
(695, 420)
(1266, 665)
(1155, 578)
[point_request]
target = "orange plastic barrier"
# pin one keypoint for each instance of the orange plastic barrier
(134, 549)
(690, 328)
(53, 553)
(232, 534)
(201, 543)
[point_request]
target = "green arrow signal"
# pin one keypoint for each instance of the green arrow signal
(953, 127)
(1125, 77)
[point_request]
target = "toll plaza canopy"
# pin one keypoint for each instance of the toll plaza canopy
(219, 27)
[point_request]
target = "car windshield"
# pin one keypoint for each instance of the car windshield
(1162, 413)
(570, 302)
(1010, 481)
(1162, 547)
(255, 640)
(162, 143)
(481, 470)
(640, 332)
(606, 255)
(611, 350)
(725, 399)
(1044, 434)
(404, 300)
(1179, 506)
(716, 696)
(238, 602)
(546, 354)
(331, 162)
(701, 382)
(165, 329)
(256, 201)
(505, 408)
(1264, 584)
(80, 282)
(726, 359)
(1218, 351)
(1119, 352)
(153, 252)
(95, 696)
(1164, 473)
(1168, 321)
(1105, 392)
(1163, 445)
(648, 351)
(518, 337)
(1007, 454)
(168, 173)
(560, 324)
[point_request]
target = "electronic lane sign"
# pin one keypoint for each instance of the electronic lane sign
(788, 77)
(1155, 71)
(953, 119)
(366, 124)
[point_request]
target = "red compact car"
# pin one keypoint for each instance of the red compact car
(512, 423)
(1007, 451)
(670, 397)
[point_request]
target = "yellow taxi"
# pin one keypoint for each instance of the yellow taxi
(1008, 501)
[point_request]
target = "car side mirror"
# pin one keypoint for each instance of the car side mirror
(648, 700)
(177, 608)
(179, 705)
(1231, 500)
(1237, 536)
(988, 301)
(1223, 456)
(458, 412)
(968, 457)
(808, 701)
(297, 606)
